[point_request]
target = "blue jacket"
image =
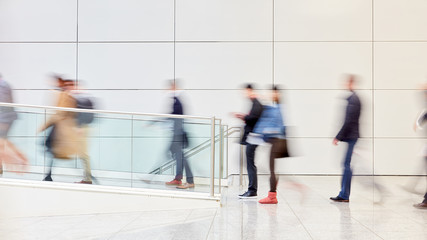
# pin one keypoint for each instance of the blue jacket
(270, 125)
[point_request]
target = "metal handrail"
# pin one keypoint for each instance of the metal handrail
(104, 111)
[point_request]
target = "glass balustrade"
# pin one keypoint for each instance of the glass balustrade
(124, 149)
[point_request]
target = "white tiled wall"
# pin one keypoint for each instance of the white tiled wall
(331, 20)
(124, 51)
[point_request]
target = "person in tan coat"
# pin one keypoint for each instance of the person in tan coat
(66, 139)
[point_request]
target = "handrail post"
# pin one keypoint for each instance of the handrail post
(212, 180)
(241, 160)
(226, 153)
(221, 154)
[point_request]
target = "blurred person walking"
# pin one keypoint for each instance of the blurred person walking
(250, 120)
(349, 133)
(62, 138)
(421, 120)
(9, 154)
(179, 142)
(271, 129)
(418, 125)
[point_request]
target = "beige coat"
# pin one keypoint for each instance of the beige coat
(66, 141)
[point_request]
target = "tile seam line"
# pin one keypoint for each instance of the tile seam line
(211, 225)
(213, 41)
(299, 220)
(76, 224)
(124, 226)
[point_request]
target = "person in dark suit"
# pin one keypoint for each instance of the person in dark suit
(250, 121)
(179, 142)
(349, 133)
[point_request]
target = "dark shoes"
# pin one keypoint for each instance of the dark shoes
(48, 178)
(421, 205)
(248, 195)
(339, 199)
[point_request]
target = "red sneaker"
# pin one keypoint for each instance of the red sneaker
(174, 182)
(270, 199)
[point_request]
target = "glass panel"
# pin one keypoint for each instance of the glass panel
(157, 145)
(123, 150)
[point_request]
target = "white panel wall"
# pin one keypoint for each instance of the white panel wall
(126, 20)
(125, 66)
(224, 20)
(320, 65)
(331, 20)
(125, 50)
(223, 65)
(400, 20)
(44, 20)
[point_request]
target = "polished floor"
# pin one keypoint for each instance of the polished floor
(380, 208)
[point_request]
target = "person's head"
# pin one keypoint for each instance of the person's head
(350, 82)
(275, 94)
(69, 84)
(58, 81)
(249, 91)
(173, 84)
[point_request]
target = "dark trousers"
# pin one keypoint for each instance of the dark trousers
(250, 165)
(279, 149)
(181, 162)
(347, 175)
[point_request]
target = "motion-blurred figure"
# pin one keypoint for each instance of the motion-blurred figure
(250, 121)
(84, 119)
(271, 129)
(9, 154)
(349, 133)
(179, 142)
(421, 120)
(62, 138)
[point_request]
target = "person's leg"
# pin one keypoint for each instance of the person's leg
(49, 165)
(86, 166)
(274, 153)
(347, 175)
(84, 154)
(252, 170)
(177, 155)
(2, 153)
(188, 173)
(278, 150)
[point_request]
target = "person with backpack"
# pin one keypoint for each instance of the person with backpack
(67, 137)
(62, 136)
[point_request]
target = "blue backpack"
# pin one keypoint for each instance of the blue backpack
(84, 102)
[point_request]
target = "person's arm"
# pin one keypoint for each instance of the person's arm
(254, 114)
(422, 117)
(65, 101)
